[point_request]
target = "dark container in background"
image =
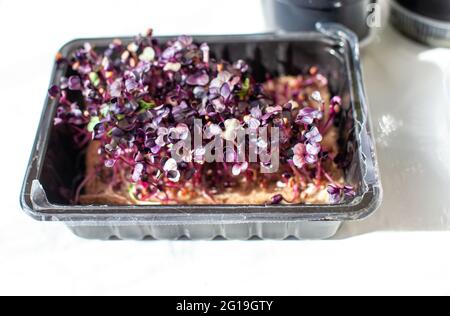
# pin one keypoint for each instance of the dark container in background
(302, 15)
(434, 9)
(425, 21)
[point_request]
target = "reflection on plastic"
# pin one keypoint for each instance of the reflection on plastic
(387, 125)
(408, 88)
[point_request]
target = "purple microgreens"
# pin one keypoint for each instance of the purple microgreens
(299, 156)
(212, 130)
(223, 85)
(137, 173)
(349, 191)
(335, 107)
(313, 148)
(109, 163)
(239, 168)
(337, 194)
(252, 122)
(256, 112)
(336, 101)
(171, 170)
(180, 132)
(115, 89)
(131, 85)
(54, 91)
(308, 116)
(138, 100)
(241, 66)
(321, 80)
(74, 83)
(314, 136)
(276, 199)
(231, 128)
(198, 79)
(334, 193)
(161, 140)
(317, 97)
(199, 155)
(271, 111)
(225, 91)
(219, 105)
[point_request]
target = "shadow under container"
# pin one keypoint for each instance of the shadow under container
(55, 164)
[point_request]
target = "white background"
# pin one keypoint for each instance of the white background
(403, 249)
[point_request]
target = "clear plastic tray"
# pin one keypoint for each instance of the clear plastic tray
(54, 163)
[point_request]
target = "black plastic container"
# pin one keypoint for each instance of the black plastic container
(302, 15)
(54, 163)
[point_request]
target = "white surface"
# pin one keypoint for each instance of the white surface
(408, 86)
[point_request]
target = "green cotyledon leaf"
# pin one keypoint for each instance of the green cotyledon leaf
(144, 106)
(245, 89)
(92, 123)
